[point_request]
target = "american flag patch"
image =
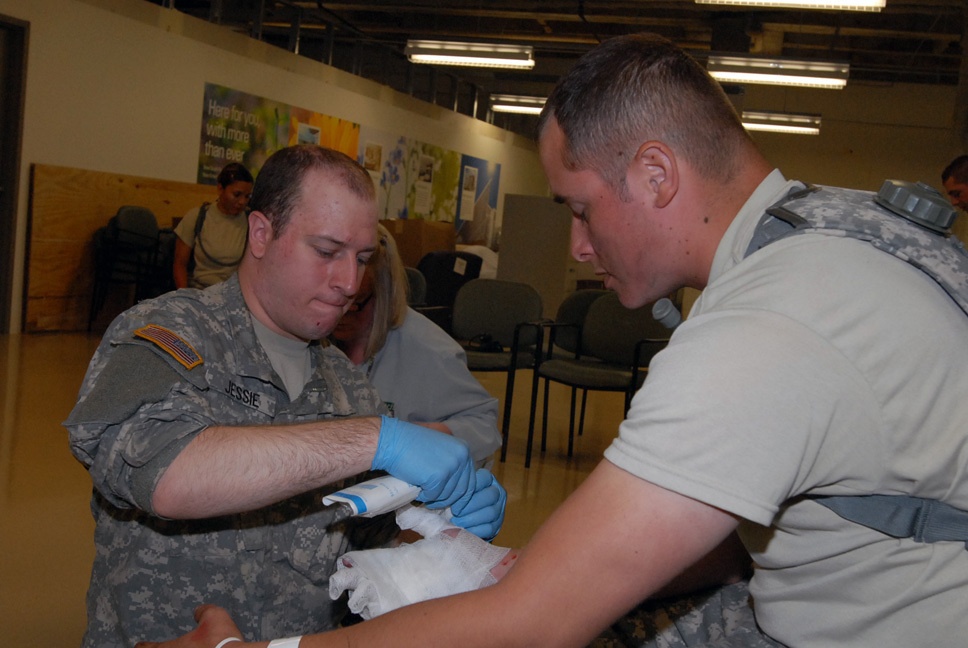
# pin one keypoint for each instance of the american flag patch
(172, 344)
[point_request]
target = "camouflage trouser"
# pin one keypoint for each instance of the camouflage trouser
(718, 618)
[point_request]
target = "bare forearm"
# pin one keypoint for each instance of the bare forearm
(179, 267)
(233, 469)
(468, 620)
(592, 558)
(179, 275)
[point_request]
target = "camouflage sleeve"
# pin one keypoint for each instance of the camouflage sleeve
(134, 416)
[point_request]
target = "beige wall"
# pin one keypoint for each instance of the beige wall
(535, 248)
(116, 86)
(869, 133)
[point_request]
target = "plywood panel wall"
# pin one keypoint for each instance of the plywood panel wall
(67, 206)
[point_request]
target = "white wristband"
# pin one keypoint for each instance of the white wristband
(291, 642)
(227, 641)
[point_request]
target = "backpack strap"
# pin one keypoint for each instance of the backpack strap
(903, 516)
(861, 215)
(199, 223)
(865, 216)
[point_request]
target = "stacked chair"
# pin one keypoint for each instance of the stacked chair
(445, 272)
(130, 250)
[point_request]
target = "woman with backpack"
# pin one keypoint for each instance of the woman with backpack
(210, 239)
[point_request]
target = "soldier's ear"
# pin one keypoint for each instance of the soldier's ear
(260, 233)
(655, 165)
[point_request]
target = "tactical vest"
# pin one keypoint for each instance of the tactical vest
(911, 222)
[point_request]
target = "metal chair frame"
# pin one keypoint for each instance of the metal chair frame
(606, 371)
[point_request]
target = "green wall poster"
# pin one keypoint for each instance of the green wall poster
(419, 180)
(413, 179)
(244, 128)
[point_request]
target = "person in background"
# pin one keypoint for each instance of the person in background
(419, 371)
(817, 365)
(210, 239)
(213, 423)
(955, 181)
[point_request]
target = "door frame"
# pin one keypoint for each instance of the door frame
(13, 77)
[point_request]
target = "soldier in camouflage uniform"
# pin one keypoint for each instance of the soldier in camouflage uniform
(212, 424)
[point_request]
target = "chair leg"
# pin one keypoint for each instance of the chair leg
(571, 423)
(581, 419)
(506, 427)
(534, 406)
(544, 418)
(92, 312)
(97, 301)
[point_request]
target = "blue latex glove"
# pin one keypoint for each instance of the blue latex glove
(438, 463)
(483, 515)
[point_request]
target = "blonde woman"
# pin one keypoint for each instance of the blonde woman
(419, 371)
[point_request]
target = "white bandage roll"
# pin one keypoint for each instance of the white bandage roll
(448, 560)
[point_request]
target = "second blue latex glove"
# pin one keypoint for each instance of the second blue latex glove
(483, 515)
(439, 464)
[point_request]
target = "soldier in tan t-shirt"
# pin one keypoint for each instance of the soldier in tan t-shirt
(220, 241)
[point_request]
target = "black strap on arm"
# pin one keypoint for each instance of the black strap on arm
(199, 222)
(201, 246)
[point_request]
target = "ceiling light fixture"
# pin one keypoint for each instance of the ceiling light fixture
(776, 122)
(836, 5)
(491, 55)
(775, 71)
(517, 104)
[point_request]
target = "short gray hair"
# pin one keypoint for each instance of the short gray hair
(636, 88)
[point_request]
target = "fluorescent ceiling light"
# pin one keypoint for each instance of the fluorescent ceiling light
(517, 104)
(775, 122)
(470, 54)
(839, 5)
(775, 71)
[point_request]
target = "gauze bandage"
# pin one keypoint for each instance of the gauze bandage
(448, 560)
